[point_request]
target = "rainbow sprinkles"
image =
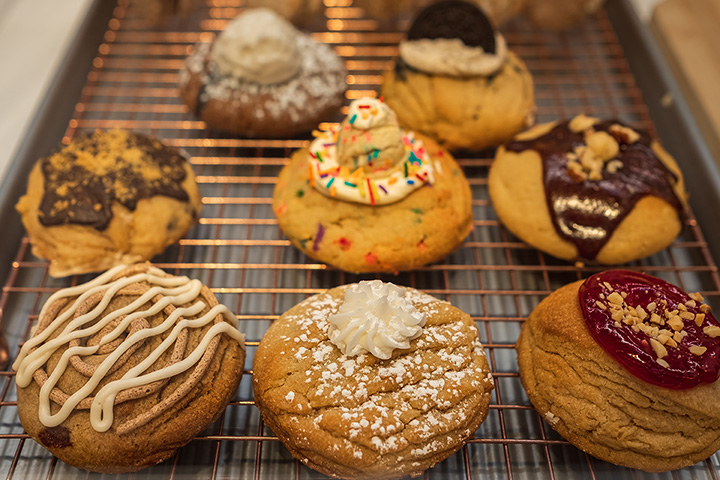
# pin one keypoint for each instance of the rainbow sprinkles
(373, 178)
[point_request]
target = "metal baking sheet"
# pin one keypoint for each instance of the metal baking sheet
(238, 250)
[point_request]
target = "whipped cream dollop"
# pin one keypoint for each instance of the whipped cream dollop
(375, 318)
(259, 46)
(450, 56)
(368, 159)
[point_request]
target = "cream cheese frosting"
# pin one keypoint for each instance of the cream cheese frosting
(450, 56)
(368, 159)
(375, 318)
(84, 319)
(259, 46)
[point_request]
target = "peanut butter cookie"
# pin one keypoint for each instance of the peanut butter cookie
(625, 366)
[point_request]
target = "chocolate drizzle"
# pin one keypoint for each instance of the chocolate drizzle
(82, 181)
(587, 212)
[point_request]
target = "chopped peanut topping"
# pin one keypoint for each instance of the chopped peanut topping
(712, 331)
(696, 296)
(697, 349)
(663, 363)
(659, 348)
(627, 135)
(687, 315)
(600, 305)
(615, 298)
(676, 323)
(699, 319)
(581, 123)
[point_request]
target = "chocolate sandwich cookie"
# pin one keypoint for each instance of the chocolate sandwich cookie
(122, 371)
(372, 381)
(457, 82)
(586, 189)
(108, 197)
(625, 366)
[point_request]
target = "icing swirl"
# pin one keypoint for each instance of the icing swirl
(89, 328)
(452, 57)
(375, 317)
(260, 46)
(368, 159)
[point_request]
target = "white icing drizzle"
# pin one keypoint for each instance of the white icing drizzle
(162, 292)
(389, 182)
(375, 317)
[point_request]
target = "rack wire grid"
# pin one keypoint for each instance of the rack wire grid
(238, 250)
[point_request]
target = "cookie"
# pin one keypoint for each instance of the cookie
(625, 366)
(587, 189)
(263, 78)
(457, 82)
(560, 14)
(370, 197)
(122, 371)
(108, 198)
(372, 381)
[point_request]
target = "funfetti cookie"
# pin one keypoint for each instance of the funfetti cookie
(369, 196)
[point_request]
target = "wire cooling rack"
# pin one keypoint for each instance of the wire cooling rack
(238, 250)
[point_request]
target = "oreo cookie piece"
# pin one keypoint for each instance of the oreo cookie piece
(454, 19)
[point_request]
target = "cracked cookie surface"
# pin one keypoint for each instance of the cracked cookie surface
(362, 417)
(601, 408)
(422, 228)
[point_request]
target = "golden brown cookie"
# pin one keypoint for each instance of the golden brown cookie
(457, 82)
(107, 198)
(262, 78)
(587, 189)
(364, 417)
(643, 398)
(397, 203)
(122, 371)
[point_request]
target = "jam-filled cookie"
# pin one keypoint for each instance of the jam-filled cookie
(370, 197)
(122, 371)
(587, 189)
(107, 198)
(261, 77)
(456, 80)
(625, 366)
(372, 381)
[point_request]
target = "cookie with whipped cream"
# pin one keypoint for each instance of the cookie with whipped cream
(589, 190)
(261, 77)
(625, 366)
(122, 371)
(368, 196)
(372, 381)
(456, 80)
(107, 198)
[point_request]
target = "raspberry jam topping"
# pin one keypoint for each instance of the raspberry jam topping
(659, 333)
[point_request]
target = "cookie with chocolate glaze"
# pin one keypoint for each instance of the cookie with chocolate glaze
(625, 366)
(122, 371)
(369, 410)
(107, 198)
(589, 190)
(457, 82)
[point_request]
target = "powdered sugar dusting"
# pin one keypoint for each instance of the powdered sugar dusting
(320, 79)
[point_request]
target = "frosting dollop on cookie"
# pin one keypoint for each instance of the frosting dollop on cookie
(368, 159)
(454, 38)
(375, 318)
(259, 46)
(659, 333)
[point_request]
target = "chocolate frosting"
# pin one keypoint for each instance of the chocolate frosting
(587, 212)
(82, 180)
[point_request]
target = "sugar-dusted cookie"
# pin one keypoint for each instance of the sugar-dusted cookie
(122, 371)
(586, 189)
(456, 80)
(370, 197)
(261, 77)
(107, 198)
(372, 381)
(625, 366)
